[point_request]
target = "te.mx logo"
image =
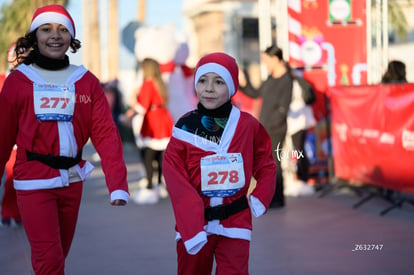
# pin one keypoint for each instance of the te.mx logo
(292, 154)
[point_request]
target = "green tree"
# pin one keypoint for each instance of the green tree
(14, 22)
(397, 19)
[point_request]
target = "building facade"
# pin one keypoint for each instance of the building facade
(234, 27)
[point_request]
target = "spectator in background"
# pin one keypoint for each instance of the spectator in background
(9, 208)
(396, 73)
(152, 125)
(276, 94)
(114, 97)
(300, 119)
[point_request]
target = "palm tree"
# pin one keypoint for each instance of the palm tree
(15, 19)
(141, 10)
(86, 37)
(95, 49)
(113, 41)
(397, 19)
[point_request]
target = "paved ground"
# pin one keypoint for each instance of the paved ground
(312, 235)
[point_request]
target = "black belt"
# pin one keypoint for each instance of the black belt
(57, 162)
(221, 212)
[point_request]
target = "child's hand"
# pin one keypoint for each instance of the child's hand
(130, 113)
(118, 202)
(126, 118)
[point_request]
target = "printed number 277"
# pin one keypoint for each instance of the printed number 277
(53, 102)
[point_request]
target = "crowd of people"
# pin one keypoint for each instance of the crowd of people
(43, 135)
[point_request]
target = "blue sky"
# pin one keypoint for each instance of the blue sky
(158, 11)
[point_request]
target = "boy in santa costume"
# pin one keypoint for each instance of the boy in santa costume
(50, 109)
(214, 152)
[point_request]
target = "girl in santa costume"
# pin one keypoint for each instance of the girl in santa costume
(152, 126)
(50, 109)
(214, 152)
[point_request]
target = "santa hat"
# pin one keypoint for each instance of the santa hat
(52, 14)
(222, 64)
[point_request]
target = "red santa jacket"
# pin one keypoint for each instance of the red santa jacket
(91, 119)
(181, 168)
(157, 122)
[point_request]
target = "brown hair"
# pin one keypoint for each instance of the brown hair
(26, 47)
(151, 70)
(395, 73)
(275, 51)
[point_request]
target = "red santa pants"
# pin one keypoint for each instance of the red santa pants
(49, 218)
(9, 209)
(231, 255)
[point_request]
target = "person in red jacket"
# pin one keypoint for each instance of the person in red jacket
(9, 209)
(213, 153)
(50, 109)
(152, 126)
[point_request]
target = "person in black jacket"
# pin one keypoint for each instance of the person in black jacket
(395, 73)
(276, 92)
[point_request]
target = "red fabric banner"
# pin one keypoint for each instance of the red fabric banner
(373, 134)
(328, 42)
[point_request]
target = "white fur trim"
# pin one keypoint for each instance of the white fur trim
(52, 17)
(194, 245)
(218, 69)
(159, 144)
(208, 145)
(215, 227)
(37, 184)
(119, 195)
(256, 206)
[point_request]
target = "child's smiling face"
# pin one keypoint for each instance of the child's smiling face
(53, 40)
(212, 91)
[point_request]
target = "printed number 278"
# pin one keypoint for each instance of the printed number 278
(220, 177)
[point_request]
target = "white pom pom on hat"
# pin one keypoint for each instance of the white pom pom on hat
(222, 64)
(52, 14)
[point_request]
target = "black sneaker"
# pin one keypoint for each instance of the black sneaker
(5, 222)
